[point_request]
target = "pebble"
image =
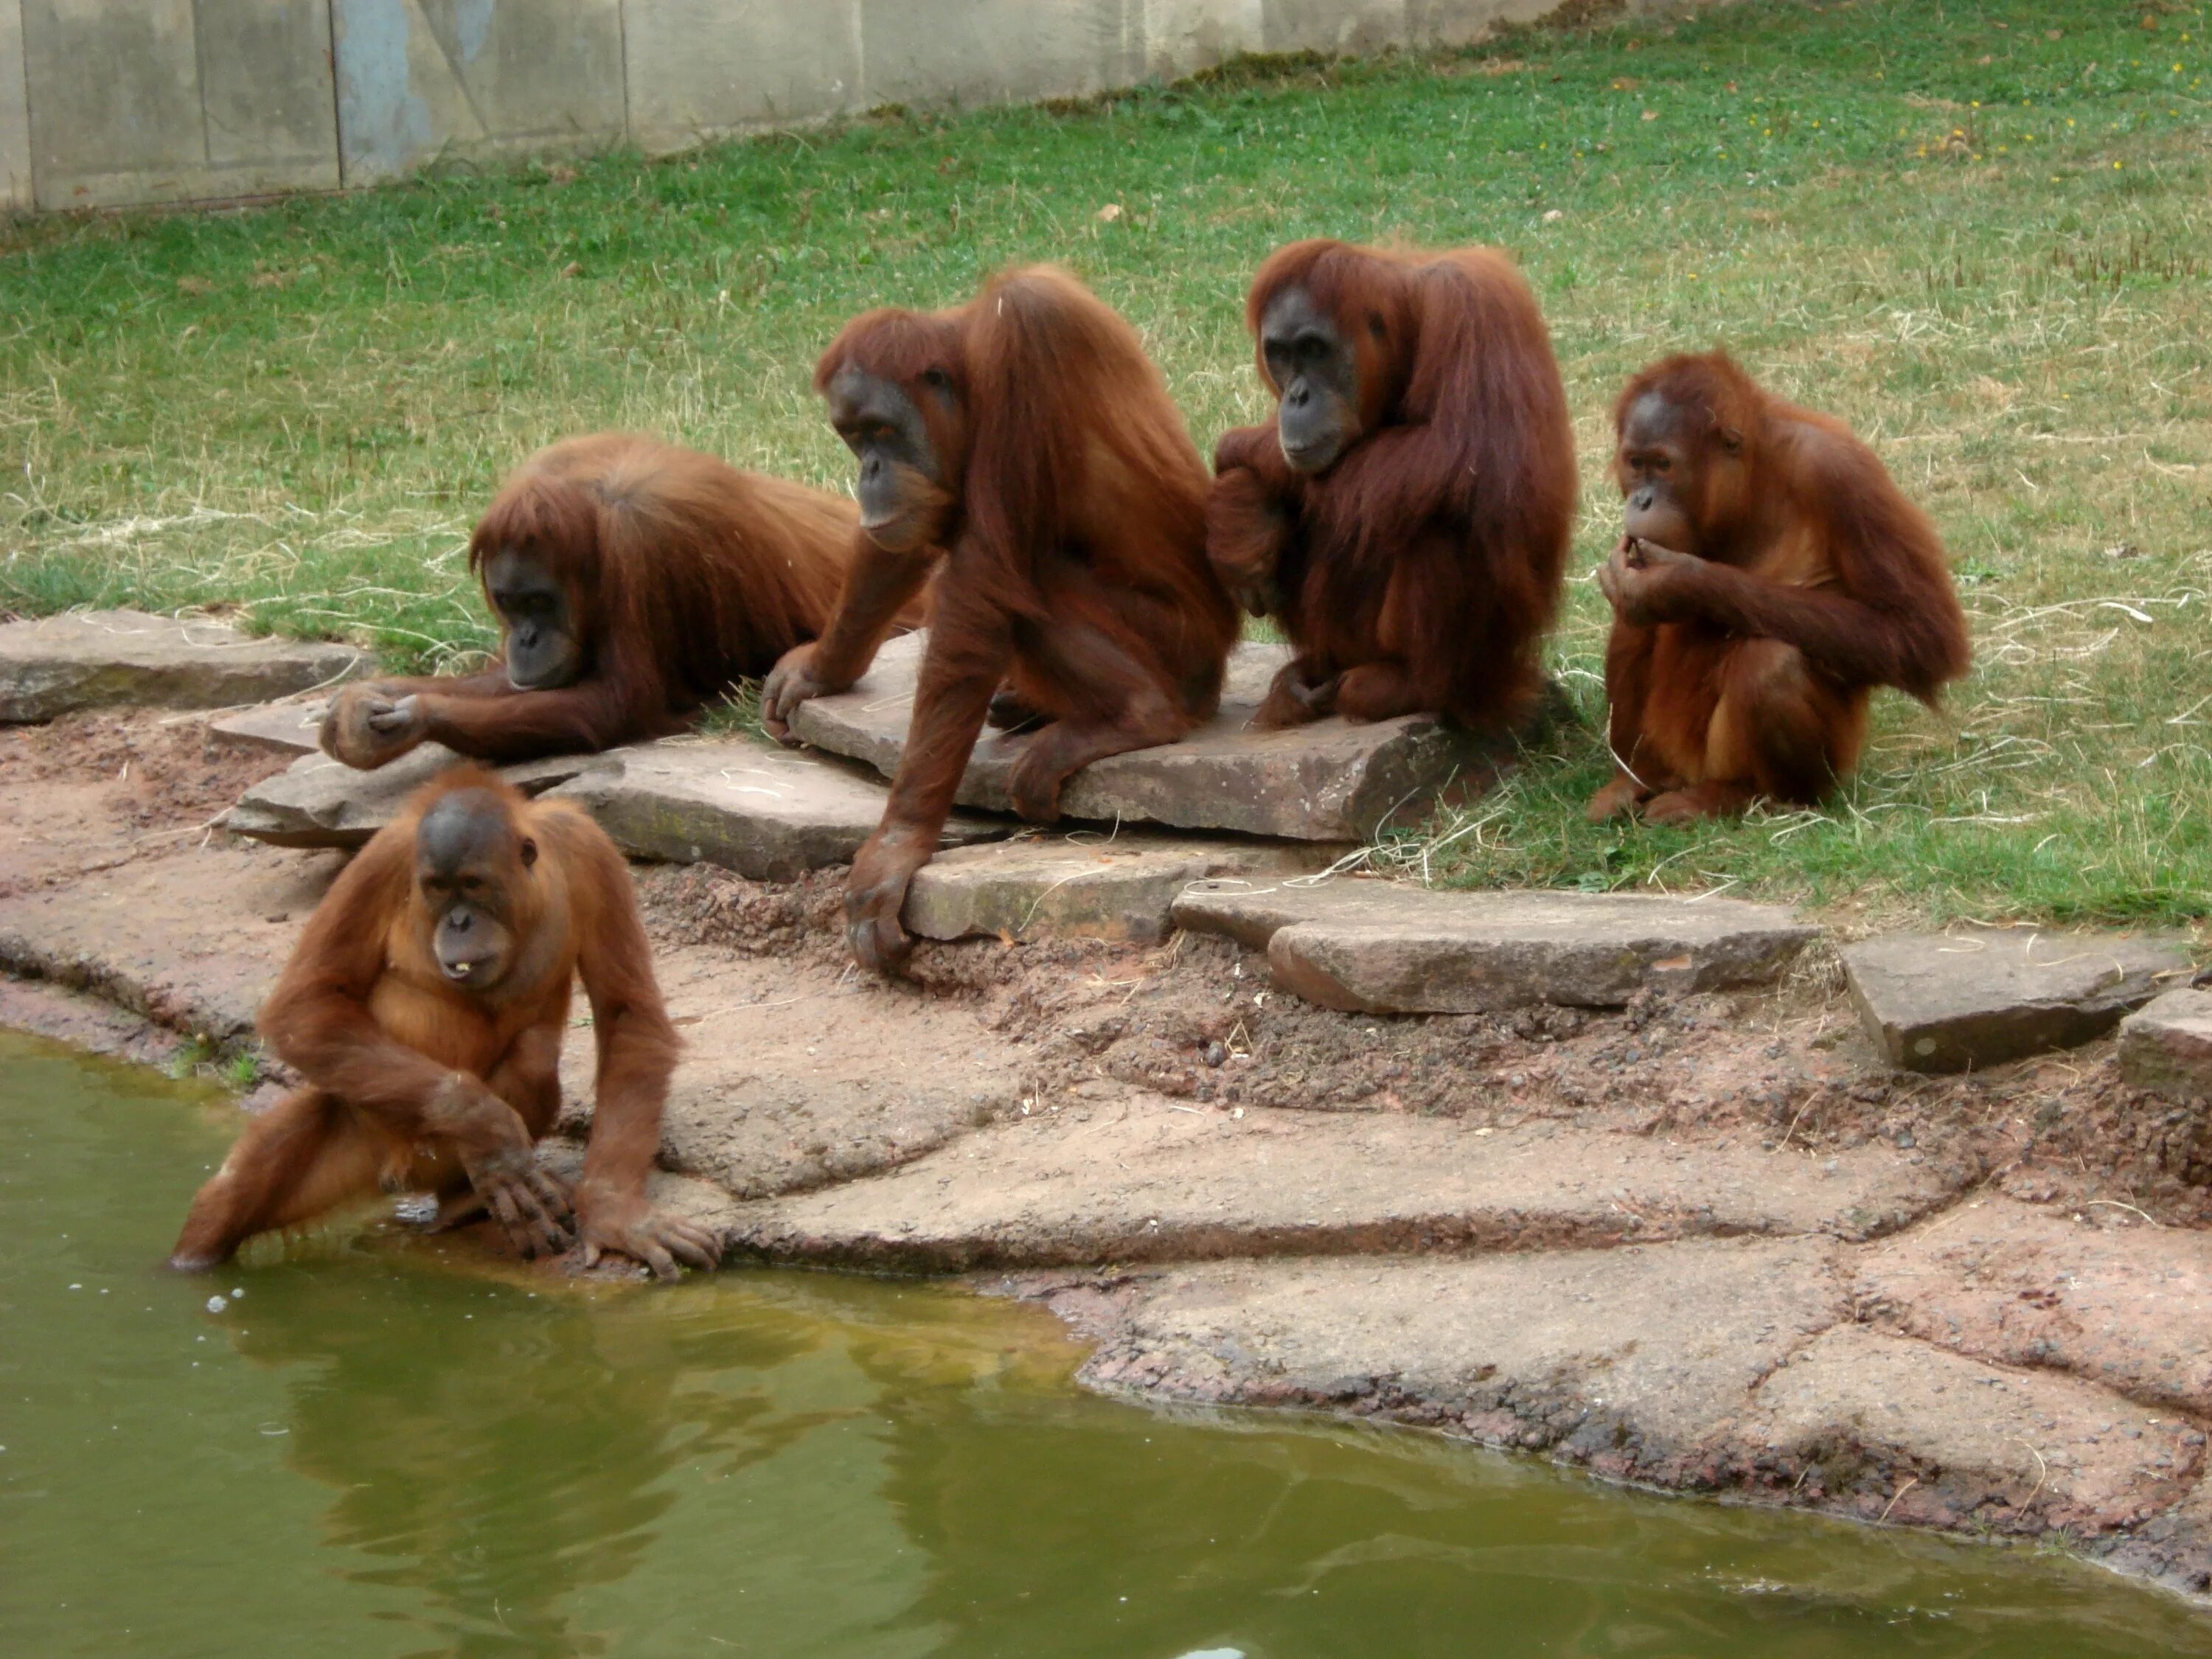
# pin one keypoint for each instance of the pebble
(217, 1303)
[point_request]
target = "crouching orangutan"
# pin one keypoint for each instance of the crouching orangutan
(633, 582)
(425, 1006)
(1770, 577)
(1406, 516)
(1026, 443)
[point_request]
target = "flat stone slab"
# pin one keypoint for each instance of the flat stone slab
(1628, 1360)
(1121, 887)
(1329, 781)
(2096, 1291)
(2165, 1046)
(769, 814)
(293, 727)
(97, 659)
(319, 802)
(1980, 996)
(1907, 1433)
(1381, 947)
(1150, 1181)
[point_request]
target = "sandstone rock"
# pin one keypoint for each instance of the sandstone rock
(1329, 781)
(1623, 1360)
(93, 658)
(1120, 888)
(2165, 1046)
(1907, 1432)
(794, 1074)
(768, 813)
(319, 802)
(192, 938)
(2096, 1292)
(1980, 996)
(1380, 947)
(282, 728)
(1147, 1181)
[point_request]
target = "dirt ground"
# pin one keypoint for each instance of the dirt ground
(1711, 1243)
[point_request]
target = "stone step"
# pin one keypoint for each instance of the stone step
(769, 814)
(1980, 996)
(1121, 887)
(796, 1073)
(97, 659)
(1901, 1432)
(2165, 1046)
(1148, 1180)
(1328, 781)
(319, 802)
(2096, 1291)
(1381, 947)
(193, 939)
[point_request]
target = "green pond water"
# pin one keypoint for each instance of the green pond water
(382, 1447)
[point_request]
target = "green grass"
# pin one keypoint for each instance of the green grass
(1979, 232)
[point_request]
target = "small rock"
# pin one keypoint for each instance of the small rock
(2165, 1046)
(1981, 996)
(97, 659)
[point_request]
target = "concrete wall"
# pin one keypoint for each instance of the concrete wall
(108, 102)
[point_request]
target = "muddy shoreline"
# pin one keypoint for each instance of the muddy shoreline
(1710, 1244)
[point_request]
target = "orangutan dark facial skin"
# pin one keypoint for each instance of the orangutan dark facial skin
(467, 859)
(1317, 376)
(1665, 489)
(904, 504)
(543, 651)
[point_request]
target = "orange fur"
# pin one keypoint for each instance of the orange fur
(1814, 581)
(412, 1080)
(1425, 565)
(1073, 555)
(684, 575)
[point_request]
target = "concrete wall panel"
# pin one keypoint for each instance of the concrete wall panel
(15, 114)
(700, 67)
(398, 100)
(537, 68)
(982, 52)
(265, 90)
(1462, 22)
(116, 114)
(417, 79)
(1181, 37)
(1344, 25)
